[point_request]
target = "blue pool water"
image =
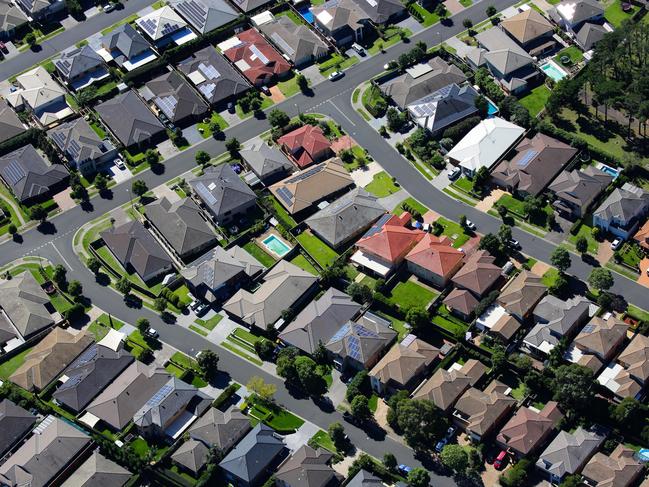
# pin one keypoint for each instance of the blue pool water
(609, 170)
(492, 110)
(276, 246)
(554, 72)
(306, 14)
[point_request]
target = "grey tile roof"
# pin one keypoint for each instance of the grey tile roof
(555, 318)
(10, 16)
(590, 34)
(346, 217)
(319, 320)
(181, 224)
(568, 452)
(220, 429)
(132, 244)
(295, 41)
(623, 204)
(266, 161)
(213, 75)
(249, 5)
(10, 124)
(28, 174)
(125, 39)
(79, 142)
(258, 449)
(343, 14)
(53, 445)
(24, 302)
(444, 107)
(78, 61)
(205, 15)
(580, 187)
(89, 374)
(365, 479)
(7, 330)
(117, 404)
(222, 190)
(192, 455)
(380, 11)
(175, 97)
(15, 422)
(35, 7)
(503, 53)
(98, 470)
(308, 468)
(129, 119)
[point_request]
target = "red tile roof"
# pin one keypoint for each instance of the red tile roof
(393, 241)
(436, 254)
(306, 144)
(642, 236)
(250, 64)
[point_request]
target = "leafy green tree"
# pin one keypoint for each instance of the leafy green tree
(560, 258)
(491, 11)
(498, 358)
(360, 407)
(505, 235)
(142, 324)
(75, 289)
(264, 349)
(139, 187)
(336, 432)
(233, 146)
(572, 481)
(302, 82)
(390, 461)
(264, 390)
(601, 279)
(467, 23)
(86, 96)
(421, 422)
(151, 156)
(208, 362)
(59, 274)
(482, 105)
(286, 364)
(573, 388)
(160, 304)
(463, 222)
(418, 477)
(455, 457)
(278, 118)
(307, 372)
(101, 182)
(517, 475)
(30, 39)
(38, 213)
(13, 229)
(358, 385)
(502, 210)
(123, 285)
(625, 410)
(559, 287)
(417, 317)
(491, 244)
(360, 293)
(202, 157)
(581, 245)
(93, 264)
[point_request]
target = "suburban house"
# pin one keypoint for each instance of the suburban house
(642, 236)
(628, 375)
(445, 387)
(568, 453)
(622, 211)
(164, 26)
(116, 405)
(346, 218)
(220, 429)
(575, 191)
(619, 469)
(40, 10)
(25, 305)
(267, 162)
(320, 320)
(306, 145)
(461, 303)
(365, 479)
(284, 286)
(259, 62)
(342, 21)
(52, 451)
(555, 318)
(182, 226)
(484, 145)
(170, 410)
(174, 99)
(529, 429)
(136, 249)
(386, 244)
(80, 67)
(126, 47)
(597, 343)
(223, 193)
(381, 12)
(15, 424)
(521, 294)
(445, 107)
(48, 358)
(30, 177)
(12, 20)
(509, 63)
(531, 30)
(220, 276)
(498, 323)
(308, 187)
(249, 5)
(358, 345)
(98, 468)
(213, 76)
(421, 80)
(205, 15)
(10, 124)
(130, 120)
(88, 375)
(536, 162)
(479, 413)
(191, 456)
(308, 468)
(38, 94)
(82, 148)
(435, 260)
(479, 274)
(404, 366)
(297, 42)
(254, 458)
(582, 19)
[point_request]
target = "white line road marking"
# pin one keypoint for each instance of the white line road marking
(61, 255)
(340, 111)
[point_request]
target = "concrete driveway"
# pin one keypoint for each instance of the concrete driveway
(300, 438)
(120, 175)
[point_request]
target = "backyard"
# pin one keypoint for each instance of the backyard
(408, 294)
(573, 52)
(454, 231)
(317, 249)
(536, 99)
(443, 318)
(258, 253)
(9, 366)
(302, 262)
(614, 13)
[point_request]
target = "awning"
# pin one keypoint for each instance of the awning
(113, 340)
(369, 263)
(89, 419)
(543, 47)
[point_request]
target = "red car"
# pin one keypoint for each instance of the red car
(501, 460)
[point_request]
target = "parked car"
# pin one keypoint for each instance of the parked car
(152, 332)
(336, 75)
(514, 244)
(470, 225)
(110, 7)
(501, 460)
(453, 173)
(265, 90)
(616, 244)
(404, 469)
(358, 48)
(119, 163)
(440, 445)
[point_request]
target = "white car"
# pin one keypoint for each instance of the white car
(453, 173)
(153, 333)
(110, 7)
(119, 164)
(470, 225)
(515, 244)
(336, 75)
(616, 244)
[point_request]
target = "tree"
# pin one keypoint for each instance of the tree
(395, 120)
(482, 105)
(517, 475)
(418, 477)
(75, 289)
(202, 157)
(93, 264)
(559, 287)
(467, 23)
(214, 127)
(421, 422)
(74, 7)
(307, 372)
(502, 211)
(463, 221)
(139, 187)
(59, 274)
(101, 182)
(498, 358)
(38, 213)
(491, 11)
(505, 235)
(208, 362)
(233, 146)
(404, 60)
(286, 364)
(601, 279)
(337, 434)
(142, 324)
(625, 410)
(278, 118)
(160, 304)
(302, 82)
(417, 317)
(560, 259)
(581, 245)
(572, 481)
(360, 408)
(455, 458)
(358, 385)
(573, 387)
(123, 285)
(86, 96)
(264, 349)
(491, 244)
(265, 391)
(359, 292)
(30, 39)
(480, 179)
(151, 156)
(390, 461)
(13, 229)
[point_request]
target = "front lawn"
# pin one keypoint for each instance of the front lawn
(408, 294)
(536, 99)
(323, 440)
(215, 117)
(391, 37)
(585, 231)
(316, 248)
(412, 203)
(382, 185)
(550, 276)
(454, 231)
(274, 416)
(464, 184)
(266, 102)
(573, 52)
(631, 254)
(335, 62)
(8, 367)
(211, 323)
(424, 17)
(289, 87)
(258, 253)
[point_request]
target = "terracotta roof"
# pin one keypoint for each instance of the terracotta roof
(635, 358)
(257, 69)
(527, 26)
(404, 361)
(479, 273)
(522, 293)
(642, 235)
(436, 254)
(306, 144)
(446, 386)
(619, 469)
(390, 239)
(528, 428)
(461, 300)
(506, 326)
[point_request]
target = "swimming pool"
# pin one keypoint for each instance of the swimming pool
(306, 14)
(608, 170)
(276, 246)
(493, 109)
(553, 71)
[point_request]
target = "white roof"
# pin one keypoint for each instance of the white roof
(491, 316)
(419, 70)
(485, 143)
(38, 89)
(233, 41)
(113, 340)
(89, 419)
(262, 18)
(573, 354)
(608, 376)
(160, 23)
(369, 262)
(324, 17)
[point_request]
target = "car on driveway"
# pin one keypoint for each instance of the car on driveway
(119, 163)
(470, 225)
(453, 173)
(152, 332)
(514, 244)
(336, 75)
(616, 244)
(501, 460)
(110, 7)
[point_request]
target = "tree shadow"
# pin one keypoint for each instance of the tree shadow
(447, 22)
(308, 92)
(157, 169)
(168, 317)
(133, 301)
(324, 404)
(102, 279)
(16, 237)
(46, 228)
(106, 194)
(259, 115)
(87, 206)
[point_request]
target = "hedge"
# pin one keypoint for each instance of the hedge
(227, 393)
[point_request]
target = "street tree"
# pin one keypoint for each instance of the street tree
(390, 461)
(101, 182)
(264, 390)
(505, 235)
(337, 434)
(278, 118)
(421, 422)
(160, 304)
(123, 285)
(59, 274)
(233, 146)
(202, 157)
(208, 362)
(142, 324)
(151, 156)
(75, 289)
(302, 82)
(455, 457)
(581, 245)
(93, 265)
(13, 229)
(139, 187)
(491, 244)
(560, 259)
(418, 477)
(601, 279)
(467, 23)
(360, 408)
(491, 11)
(30, 39)
(38, 213)
(307, 372)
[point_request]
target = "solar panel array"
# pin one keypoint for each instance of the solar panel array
(286, 195)
(149, 26)
(168, 28)
(341, 333)
(258, 54)
(205, 194)
(529, 155)
(284, 46)
(424, 109)
(378, 225)
(167, 104)
(64, 65)
(87, 356)
(14, 172)
(194, 11)
(589, 328)
(207, 89)
(74, 149)
(207, 273)
(306, 174)
(59, 138)
(209, 71)
(160, 395)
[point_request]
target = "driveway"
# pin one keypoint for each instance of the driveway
(313, 74)
(604, 252)
(364, 175)
(164, 191)
(120, 175)
(64, 200)
(337, 390)
(411, 24)
(300, 438)
(453, 6)
(390, 202)
(276, 94)
(167, 149)
(488, 202)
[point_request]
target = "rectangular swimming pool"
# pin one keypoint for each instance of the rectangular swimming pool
(276, 246)
(306, 14)
(553, 71)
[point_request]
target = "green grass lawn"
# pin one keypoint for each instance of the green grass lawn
(174, 370)
(211, 323)
(573, 52)
(637, 313)
(9, 366)
(289, 86)
(631, 254)
(382, 185)
(281, 214)
(536, 99)
(277, 418)
(429, 18)
(199, 330)
(444, 319)
(335, 62)
(408, 294)
(585, 231)
(258, 253)
(316, 248)
(412, 203)
(397, 324)
(185, 361)
(391, 37)
(302, 262)
(464, 184)
(237, 351)
(513, 205)
(615, 15)
(454, 231)
(98, 330)
(373, 403)
(215, 117)
(550, 277)
(266, 102)
(323, 440)
(109, 321)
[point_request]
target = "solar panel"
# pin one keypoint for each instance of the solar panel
(378, 225)
(341, 333)
(59, 138)
(529, 155)
(168, 28)
(149, 26)
(364, 332)
(14, 172)
(284, 46)
(194, 12)
(205, 195)
(87, 356)
(209, 71)
(306, 174)
(258, 54)
(286, 195)
(588, 328)
(160, 395)
(167, 104)
(354, 347)
(74, 148)
(207, 89)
